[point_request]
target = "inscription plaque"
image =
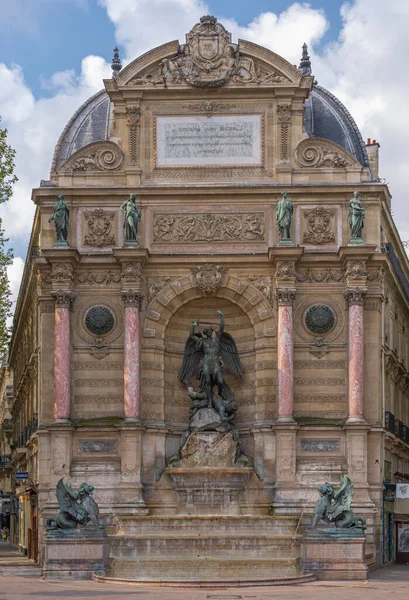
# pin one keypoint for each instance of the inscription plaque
(107, 446)
(221, 140)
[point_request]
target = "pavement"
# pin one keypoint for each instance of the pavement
(20, 579)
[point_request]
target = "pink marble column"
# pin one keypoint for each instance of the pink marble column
(355, 298)
(132, 356)
(62, 354)
(285, 352)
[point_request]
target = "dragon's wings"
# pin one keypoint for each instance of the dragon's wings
(66, 497)
(191, 359)
(230, 356)
(344, 495)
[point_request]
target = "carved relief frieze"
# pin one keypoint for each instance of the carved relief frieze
(215, 227)
(97, 278)
(97, 156)
(320, 275)
(209, 107)
(320, 225)
(208, 278)
(98, 382)
(319, 153)
(99, 225)
(319, 381)
(78, 399)
(323, 364)
(92, 366)
(376, 274)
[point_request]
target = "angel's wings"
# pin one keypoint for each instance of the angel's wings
(66, 497)
(191, 358)
(344, 495)
(230, 356)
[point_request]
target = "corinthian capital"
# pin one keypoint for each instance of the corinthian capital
(132, 297)
(63, 298)
(355, 296)
(285, 296)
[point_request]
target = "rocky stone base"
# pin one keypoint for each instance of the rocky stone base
(76, 553)
(334, 554)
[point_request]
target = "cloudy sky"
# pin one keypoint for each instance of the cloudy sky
(55, 53)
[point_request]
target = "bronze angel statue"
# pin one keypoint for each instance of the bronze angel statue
(76, 508)
(214, 352)
(335, 506)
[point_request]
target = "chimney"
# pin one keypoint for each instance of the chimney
(372, 148)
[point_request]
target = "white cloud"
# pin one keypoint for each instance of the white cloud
(34, 127)
(14, 273)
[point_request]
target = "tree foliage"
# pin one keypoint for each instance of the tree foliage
(7, 180)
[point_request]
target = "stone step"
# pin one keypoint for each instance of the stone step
(223, 525)
(244, 569)
(203, 546)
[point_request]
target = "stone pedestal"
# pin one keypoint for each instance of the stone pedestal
(75, 553)
(334, 554)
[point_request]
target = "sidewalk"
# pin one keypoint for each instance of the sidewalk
(20, 579)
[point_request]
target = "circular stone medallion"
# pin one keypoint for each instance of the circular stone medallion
(319, 319)
(99, 320)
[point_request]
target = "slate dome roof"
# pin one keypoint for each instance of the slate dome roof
(325, 117)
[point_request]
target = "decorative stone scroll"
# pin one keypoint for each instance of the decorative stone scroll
(356, 269)
(97, 156)
(215, 227)
(286, 271)
(316, 153)
(99, 224)
(319, 222)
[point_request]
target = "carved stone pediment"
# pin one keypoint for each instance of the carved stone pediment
(98, 156)
(320, 153)
(208, 59)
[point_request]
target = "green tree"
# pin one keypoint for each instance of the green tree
(7, 180)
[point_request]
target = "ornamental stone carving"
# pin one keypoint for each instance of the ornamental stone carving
(319, 222)
(208, 278)
(284, 120)
(62, 272)
(265, 286)
(97, 156)
(319, 319)
(131, 271)
(286, 271)
(320, 276)
(285, 296)
(99, 224)
(316, 153)
(157, 286)
(132, 297)
(355, 296)
(133, 113)
(356, 269)
(63, 298)
(215, 227)
(98, 278)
